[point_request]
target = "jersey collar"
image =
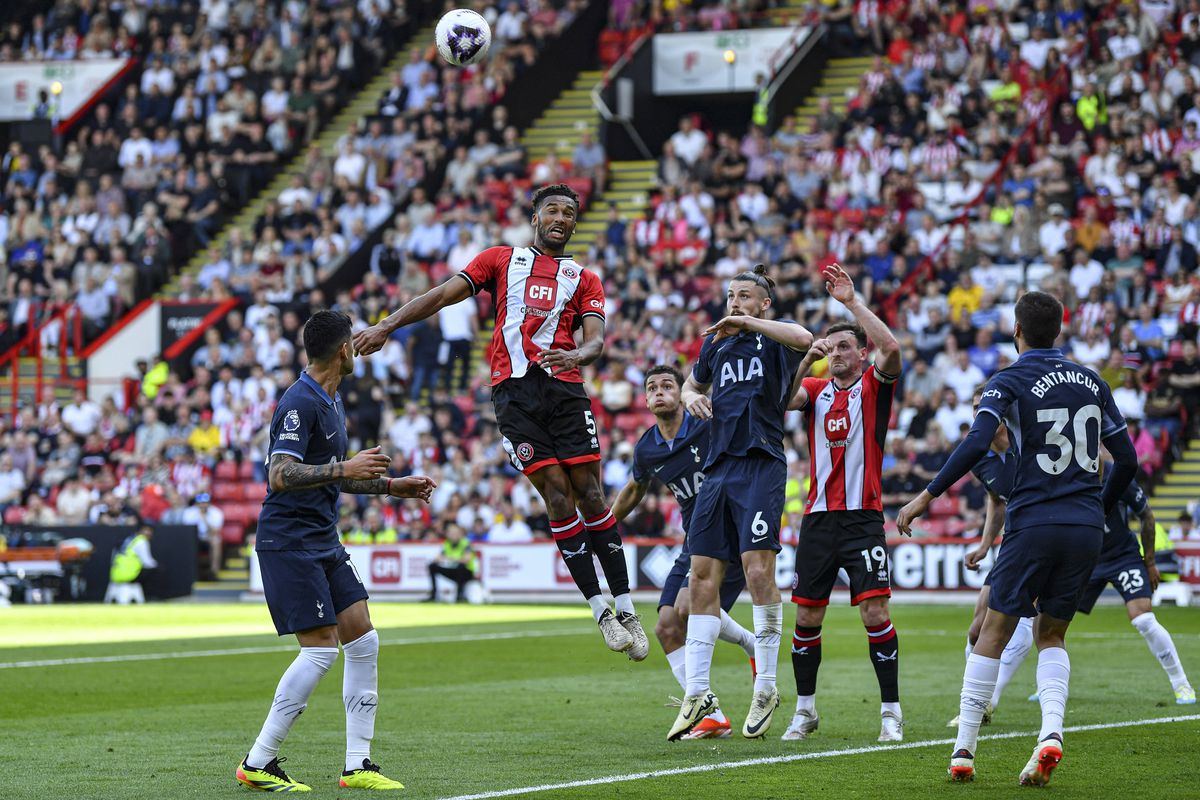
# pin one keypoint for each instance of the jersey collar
(1041, 352)
(316, 387)
(681, 433)
(563, 257)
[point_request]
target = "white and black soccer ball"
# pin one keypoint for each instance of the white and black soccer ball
(463, 37)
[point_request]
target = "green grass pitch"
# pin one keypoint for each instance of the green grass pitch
(477, 700)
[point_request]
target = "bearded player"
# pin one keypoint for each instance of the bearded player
(542, 299)
(847, 415)
(673, 452)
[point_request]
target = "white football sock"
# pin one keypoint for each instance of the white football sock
(677, 659)
(979, 680)
(702, 632)
(1013, 656)
(291, 698)
(1162, 646)
(768, 625)
(624, 604)
(1053, 676)
(892, 707)
(731, 631)
(970, 649)
(599, 606)
(360, 693)
(806, 702)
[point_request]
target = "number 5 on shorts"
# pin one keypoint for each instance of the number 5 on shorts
(591, 423)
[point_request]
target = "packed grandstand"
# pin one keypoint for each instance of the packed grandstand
(987, 149)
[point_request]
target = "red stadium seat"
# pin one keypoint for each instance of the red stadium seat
(943, 507)
(932, 527)
(233, 533)
(246, 471)
(227, 491)
(227, 471)
(255, 492)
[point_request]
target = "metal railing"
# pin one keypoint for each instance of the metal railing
(69, 320)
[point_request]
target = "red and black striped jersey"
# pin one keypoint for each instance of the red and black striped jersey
(540, 302)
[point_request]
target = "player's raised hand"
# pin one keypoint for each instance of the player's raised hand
(367, 465)
(418, 486)
(838, 283)
(727, 326)
(369, 340)
(559, 361)
(819, 349)
(915, 508)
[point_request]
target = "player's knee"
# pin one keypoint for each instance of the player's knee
(874, 611)
(810, 616)
(669, 633)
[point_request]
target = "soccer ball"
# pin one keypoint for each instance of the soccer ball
(463, 37)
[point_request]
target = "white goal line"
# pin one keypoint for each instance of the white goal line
(754, 762)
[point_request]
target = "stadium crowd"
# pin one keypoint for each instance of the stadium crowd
(986, 151)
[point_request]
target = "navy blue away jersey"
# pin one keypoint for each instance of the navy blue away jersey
(311, 426)
(751, 377)
(1057, 414)
(997, 473)
(678, 463)
(1118, 539)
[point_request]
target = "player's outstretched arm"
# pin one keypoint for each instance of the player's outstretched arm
(628, 499)
(454, 290)
(417, 486)
(791, 335)
(288, 474)
(695, 398)
(840, 286)
(965, 456)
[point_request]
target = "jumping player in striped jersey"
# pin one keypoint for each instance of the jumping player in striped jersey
(542, 298)
(847, 416)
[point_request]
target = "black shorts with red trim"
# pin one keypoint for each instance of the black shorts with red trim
(545, 421)
(833, 540)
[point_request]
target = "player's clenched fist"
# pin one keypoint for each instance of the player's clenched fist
(417, 486)
(370, 340)
(700, 407)
(366, 465)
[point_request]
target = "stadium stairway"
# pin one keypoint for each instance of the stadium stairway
(52, 372)
(232, 580)
(560, 128)
(1180, 488)
(839, 80)
(361, 104)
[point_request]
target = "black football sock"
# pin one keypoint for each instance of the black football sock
(884, 647)
(606, 542)
(572, 542)
(806, 659)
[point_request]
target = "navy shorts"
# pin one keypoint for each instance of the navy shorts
(739, 507)
(1126, 573)
(1044, 564)
(677, 578)
(307, 589)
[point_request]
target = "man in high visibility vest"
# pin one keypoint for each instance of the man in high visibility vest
(457, 562)
(132, 557)
(372, 531)
(761, 113)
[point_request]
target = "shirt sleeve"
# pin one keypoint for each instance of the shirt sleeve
(875, 374)
(1135, 497)
(812, 387)
(589, 296)
(480, 274)
(291, 428)
(1112, 422)
(997, 397)
(702, 370)
(637, 470)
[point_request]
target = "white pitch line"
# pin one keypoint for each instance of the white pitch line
(753, 762)
(276, 648)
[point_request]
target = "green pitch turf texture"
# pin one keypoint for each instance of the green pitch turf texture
(488, 699)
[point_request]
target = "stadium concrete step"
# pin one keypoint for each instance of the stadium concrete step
(562, 125)
(1181, 486)
(839, 78)
(362, 104)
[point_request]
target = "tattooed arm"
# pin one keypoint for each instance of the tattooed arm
(363, 473)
